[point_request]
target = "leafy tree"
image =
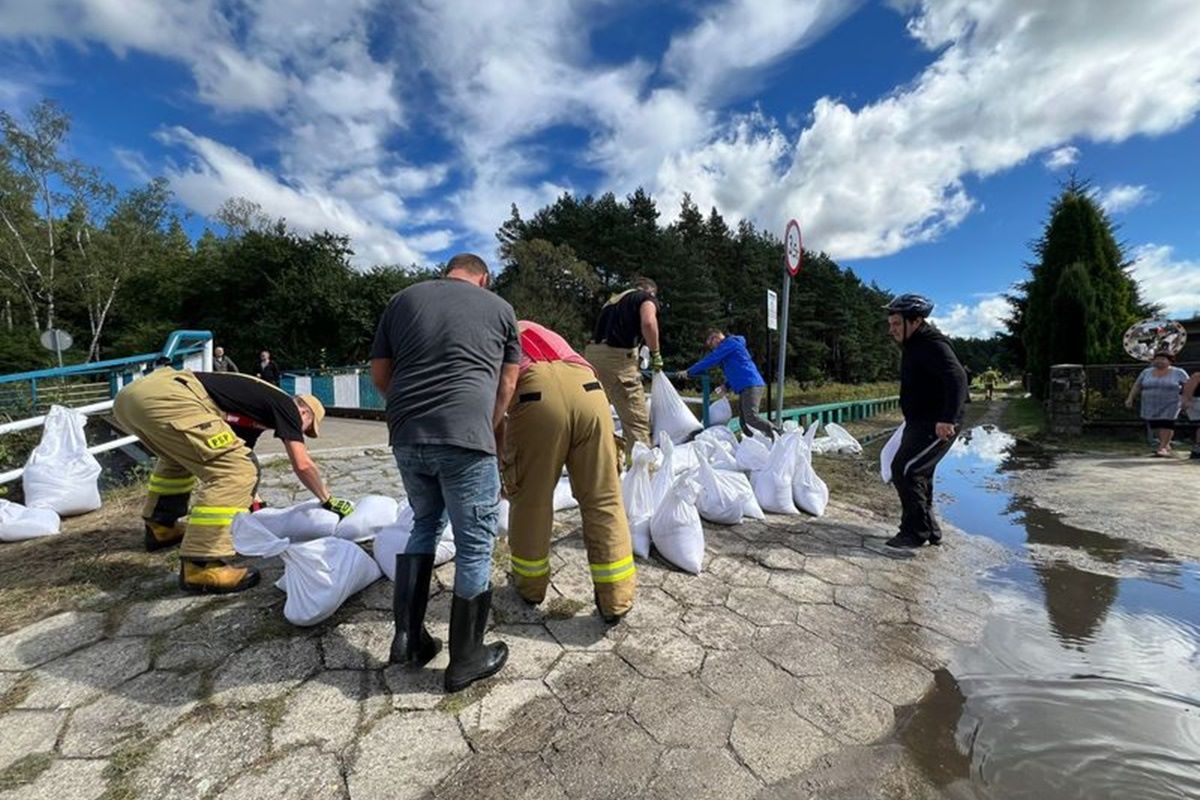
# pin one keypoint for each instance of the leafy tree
(550, 286)
(38, 187)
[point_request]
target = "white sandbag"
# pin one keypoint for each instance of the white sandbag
(753, 453)
(791, 426)
(719, 434)
(61, 474)
(720, 412)
(842, 441)
(686, 459)
(637, 492)
(563, 499)
(318, 575)
(670, 414)
(888, 453)
(393, 539)
(722, 496)
(809, 492)
(370, 514)
(299, 523)
(718, 454)
(18, 522)
(665, 476)
(676, 529)
(773, 484)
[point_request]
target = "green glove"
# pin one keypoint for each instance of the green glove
(656, 362)
(343, 508)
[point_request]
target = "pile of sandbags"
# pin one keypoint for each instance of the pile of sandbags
(720, 479)
(324, 562)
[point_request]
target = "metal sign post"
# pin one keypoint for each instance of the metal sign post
(792, 254)
(772, 325)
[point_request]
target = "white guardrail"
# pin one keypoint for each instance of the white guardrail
(37, 422)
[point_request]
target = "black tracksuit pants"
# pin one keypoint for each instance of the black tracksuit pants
(912, 474)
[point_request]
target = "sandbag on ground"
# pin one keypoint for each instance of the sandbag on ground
(299, 523)
(370, 514)
(676, 529)
(318, 575)
(393, 539)
(773, 484)
(637, 492)
(18, 523)
(60, 473)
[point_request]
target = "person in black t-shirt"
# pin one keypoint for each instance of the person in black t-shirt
(202, 428)
(627, 320)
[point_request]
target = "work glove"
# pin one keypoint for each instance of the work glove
(343, 508)
(679, 376)
(656, 362)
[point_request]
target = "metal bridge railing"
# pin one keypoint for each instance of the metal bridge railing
(29, 391)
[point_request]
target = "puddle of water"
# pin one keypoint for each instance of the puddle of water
(1087, 681)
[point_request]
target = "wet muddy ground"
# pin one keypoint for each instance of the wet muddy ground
(1086, 683)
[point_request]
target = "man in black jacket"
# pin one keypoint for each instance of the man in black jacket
(933, 389)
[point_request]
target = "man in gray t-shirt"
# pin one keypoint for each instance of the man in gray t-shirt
(446, 355)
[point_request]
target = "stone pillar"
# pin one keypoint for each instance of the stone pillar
(1064, 408)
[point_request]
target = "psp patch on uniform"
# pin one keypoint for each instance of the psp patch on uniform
(222, 439)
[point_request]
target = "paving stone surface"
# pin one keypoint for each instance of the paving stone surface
(783, 662)
(65, 779)
(28, 733)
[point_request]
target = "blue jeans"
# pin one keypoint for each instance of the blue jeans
(444, 480)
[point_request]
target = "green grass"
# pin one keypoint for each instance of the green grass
(24, 771)
(1025, 418)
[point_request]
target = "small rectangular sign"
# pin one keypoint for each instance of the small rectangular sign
(772, 310)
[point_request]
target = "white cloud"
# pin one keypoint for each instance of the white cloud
(1061, 157)
(979, 321)
(1173, 284)
(736, 38)
(1123, 197)
(1013, 78)
(217, 172)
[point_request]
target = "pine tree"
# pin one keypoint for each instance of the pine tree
(1080, 273)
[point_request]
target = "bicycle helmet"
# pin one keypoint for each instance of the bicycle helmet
(910, 306)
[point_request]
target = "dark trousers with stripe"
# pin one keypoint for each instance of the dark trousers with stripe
(912, 474)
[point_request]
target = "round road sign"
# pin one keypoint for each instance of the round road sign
(792, 251)
(56, 339)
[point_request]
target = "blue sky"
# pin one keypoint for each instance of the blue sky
(917, 141)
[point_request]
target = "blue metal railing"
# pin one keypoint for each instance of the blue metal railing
(117, 370)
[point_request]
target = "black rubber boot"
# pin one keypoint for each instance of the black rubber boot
(412, 644)
(470, 659)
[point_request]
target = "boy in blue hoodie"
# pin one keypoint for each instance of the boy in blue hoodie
(741, 375)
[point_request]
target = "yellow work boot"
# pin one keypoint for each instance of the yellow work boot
(160, 536)
(215, 577)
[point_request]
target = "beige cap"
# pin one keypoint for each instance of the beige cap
(318, 412)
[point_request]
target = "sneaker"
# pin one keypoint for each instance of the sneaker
(1162, 452)
(935, 539)
(906, 541)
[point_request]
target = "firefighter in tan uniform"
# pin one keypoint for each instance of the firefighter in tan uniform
(202, 427)
(627, 320)
(560, 416)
